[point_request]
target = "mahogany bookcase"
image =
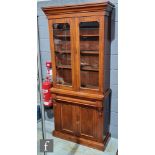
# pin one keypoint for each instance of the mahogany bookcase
(80, 52)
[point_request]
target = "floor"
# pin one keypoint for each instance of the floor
(64, 147)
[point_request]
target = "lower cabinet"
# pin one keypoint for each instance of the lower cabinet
(77, 120)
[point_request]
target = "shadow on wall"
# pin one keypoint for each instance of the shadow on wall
(112, 37)
(113, 25)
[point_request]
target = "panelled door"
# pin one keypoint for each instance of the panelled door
(75, 119)
(62, 52)
(88, 124)
(66, 117)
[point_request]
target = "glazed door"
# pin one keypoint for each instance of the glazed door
(90, 50)
(62, 52)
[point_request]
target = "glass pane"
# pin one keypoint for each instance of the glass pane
(89, 54)
(63, 53)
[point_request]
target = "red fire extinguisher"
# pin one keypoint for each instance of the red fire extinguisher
(46, 86)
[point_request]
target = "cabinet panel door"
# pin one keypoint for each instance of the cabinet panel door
(87, 122)
(67, 118)
(62, 52)
(90, 53)
(57, 115)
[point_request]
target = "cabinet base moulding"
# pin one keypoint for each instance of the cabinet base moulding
(83, 141)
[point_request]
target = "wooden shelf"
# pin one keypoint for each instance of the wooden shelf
(89, 32)
(61, 36)
(62, 30)
(64, 52)
(65, 83)
(64, 66)
(81, 35)
(88, 68)
(89, 52)
(84, 32)
(82, 52)
(89, 86)
(89, 35)
(66, 42)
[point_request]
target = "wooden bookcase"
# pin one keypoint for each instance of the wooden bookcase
(80, 51)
